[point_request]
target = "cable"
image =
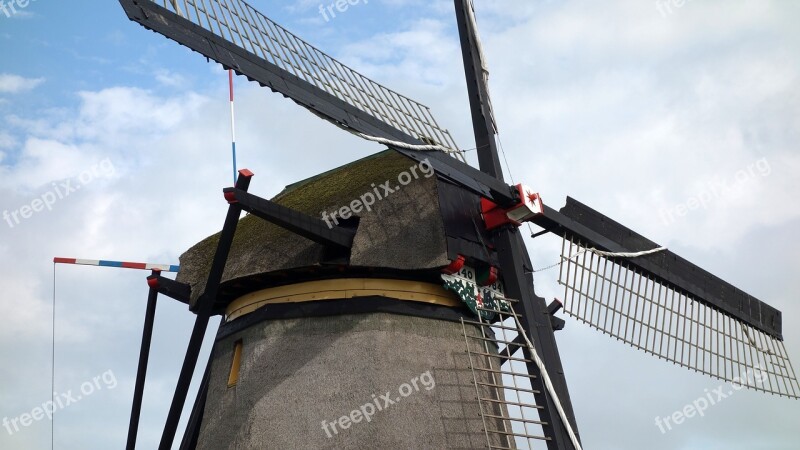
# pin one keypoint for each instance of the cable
(503, 152)
(556, 264)
(420, 148)
(626, 254)
(602, 253)
(53, 368)
(753, 342)
(508, 168)
(547, 383)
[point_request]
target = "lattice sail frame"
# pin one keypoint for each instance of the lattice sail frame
(509, 412)
(651, 316)
(241, 24)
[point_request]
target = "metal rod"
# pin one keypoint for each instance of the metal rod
(529, 436)
(510, 388)
(516, 419)
(477, 390)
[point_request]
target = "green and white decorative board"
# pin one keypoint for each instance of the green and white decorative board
(477, 298)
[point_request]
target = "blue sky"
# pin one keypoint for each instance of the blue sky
(630, 109)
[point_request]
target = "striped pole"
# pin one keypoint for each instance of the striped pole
(233, 123)
(119, 264)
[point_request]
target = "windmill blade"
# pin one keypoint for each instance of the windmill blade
(557, 416)
(662, 304)
(236, 35)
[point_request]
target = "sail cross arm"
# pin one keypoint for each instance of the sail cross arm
(234, 34)
(591, 228)
(663, 304)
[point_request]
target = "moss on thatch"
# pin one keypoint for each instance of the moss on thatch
(388, 236)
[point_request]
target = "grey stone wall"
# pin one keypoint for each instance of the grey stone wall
(297, 373)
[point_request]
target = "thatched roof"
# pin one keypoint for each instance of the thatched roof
(404, 231)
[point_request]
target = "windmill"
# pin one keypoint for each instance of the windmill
(429, 276)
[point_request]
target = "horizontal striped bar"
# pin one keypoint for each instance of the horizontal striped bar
(119, 264)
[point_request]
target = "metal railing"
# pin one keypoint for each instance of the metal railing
(641, 311)
(241, 24)
(504, 387)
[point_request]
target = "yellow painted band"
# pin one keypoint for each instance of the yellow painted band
(310, 291)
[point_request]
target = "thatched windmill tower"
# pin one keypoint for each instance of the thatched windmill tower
(314, 331)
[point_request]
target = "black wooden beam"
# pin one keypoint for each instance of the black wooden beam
(157, 18)
(510, 349)
(181, 292)
(192, 432)
(205, 306)
(536, 320)
(513, 255)
(480, 103)
(141, 371)
(593, 229)
(312, 228)
(161, 20)
(466, 176)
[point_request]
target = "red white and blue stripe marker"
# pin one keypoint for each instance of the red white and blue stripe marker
(119, 264)
(233, 124)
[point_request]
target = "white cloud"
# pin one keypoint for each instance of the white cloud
(15, 84)
(6, 140)
(406, 57)
(170, 79)
(299, 6)
(661, 104)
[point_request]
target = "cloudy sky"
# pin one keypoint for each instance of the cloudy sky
(637, 108)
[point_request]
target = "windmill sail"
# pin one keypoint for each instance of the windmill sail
(236, 35)
(666, 306)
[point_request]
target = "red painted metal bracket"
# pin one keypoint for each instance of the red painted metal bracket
(530, 206)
